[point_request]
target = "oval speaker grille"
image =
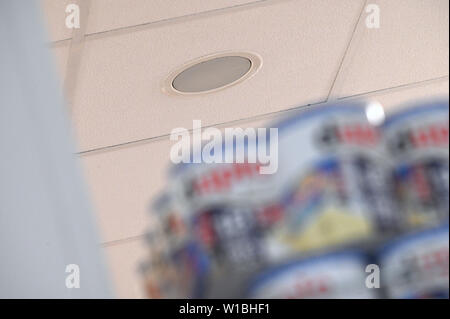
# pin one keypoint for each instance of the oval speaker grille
(212, 74)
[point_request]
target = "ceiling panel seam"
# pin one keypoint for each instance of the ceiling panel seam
(75, 52)
(115, 242)
(168, 20)
(350, 51)
(397, 87)
(183, 18)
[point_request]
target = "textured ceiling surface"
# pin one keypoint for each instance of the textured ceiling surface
(112, 68)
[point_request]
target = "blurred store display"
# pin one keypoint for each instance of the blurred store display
(354, 187)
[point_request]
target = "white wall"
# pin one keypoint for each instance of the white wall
(45, 217)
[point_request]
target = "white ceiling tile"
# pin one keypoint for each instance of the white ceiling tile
(123, 261)
(119, 99)
(114, 14)
(54, 15)
(412, 44)
(123, 183)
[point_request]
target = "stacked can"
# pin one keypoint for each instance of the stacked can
(333, 181)
(221, 212)
(417, 140)
(163, 279)
(329, 276)
(416, 265)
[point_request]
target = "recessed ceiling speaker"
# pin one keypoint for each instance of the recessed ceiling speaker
(212, 73)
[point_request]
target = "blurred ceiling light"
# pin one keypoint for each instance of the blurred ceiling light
(375, 113)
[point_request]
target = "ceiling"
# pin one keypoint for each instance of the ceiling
(112, 68)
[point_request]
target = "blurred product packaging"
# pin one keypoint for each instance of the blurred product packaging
(334, 275)
(416, 265)
(352, 182)
(417, 141)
